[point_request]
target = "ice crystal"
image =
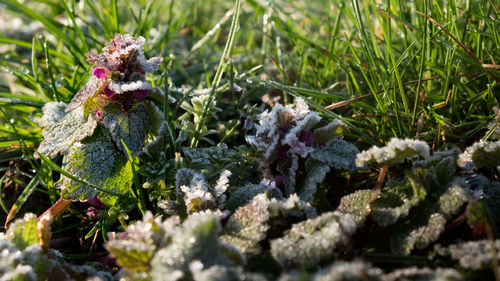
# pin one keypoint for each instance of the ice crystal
(397, 150)
(313, 240)
(423, 274)
(60, 136)
(243, 195)
(53, 112)
(132, 127)
(483, 154)
(475, 254)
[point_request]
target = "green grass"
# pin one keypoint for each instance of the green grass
(422, 69)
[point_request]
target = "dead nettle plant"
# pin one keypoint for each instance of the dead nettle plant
(298, 151)
(103, 128)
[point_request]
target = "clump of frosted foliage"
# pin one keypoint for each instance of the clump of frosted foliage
(414, 273)
(197, 195)
(396, 151)
(313, 240)
(22, 258)
(222, 273)
(292, 137)
(356, 270)
(483, 154)
(195, 240)
(135, 247)
(475, 254)
(249, 225)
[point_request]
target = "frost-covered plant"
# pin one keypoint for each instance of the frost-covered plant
(314, 240)
(289, 136)
(194, 192)
(251, 224)
(396, 151)
(338, 271)
(482, 154)
(22, 257)
(414, 273)
(475, 254)
(105, 120)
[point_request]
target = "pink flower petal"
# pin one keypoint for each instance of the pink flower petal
(108, 92)
(100, 73)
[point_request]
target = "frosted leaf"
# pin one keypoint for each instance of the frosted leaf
(357, 204)
(248, 226)
(314, 240)
(91, 161)
(454, 198)
(156, 116)
(338, 154)
(341, 270)
(483, 154)
(316, 173)
(53, 112)
(329, 132)
(87, 96)
(221, 187)
(419, 237)
(135, 248)
(475, 254)
(154, 162)
(71, 128)
(396, 151)
(243, 195)
(195, 240)
(23, 232)
(393, 205)
(291, 208)
(132, 127)
(496, 122)
(423, 274)
(213, 159)
(437, 157)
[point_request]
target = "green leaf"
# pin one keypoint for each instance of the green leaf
(23, 232)
(357, 204)
(93, 161)
(71, 128)
(132, 127)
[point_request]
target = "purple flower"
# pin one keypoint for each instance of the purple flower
(108, 92)
(96, 207)
(100, 73)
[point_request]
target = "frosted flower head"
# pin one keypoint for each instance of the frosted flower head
(117, 76)
(292, 128)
